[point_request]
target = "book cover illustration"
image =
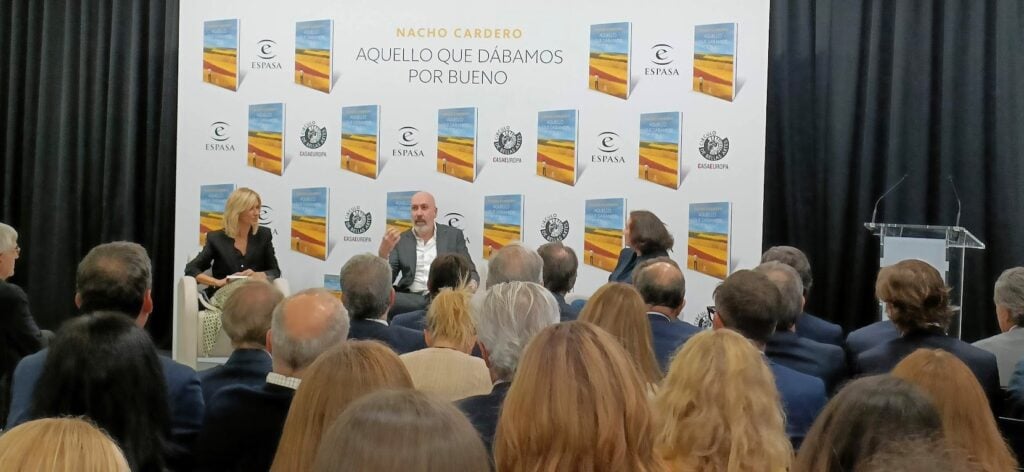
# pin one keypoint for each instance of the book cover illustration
(313, 62)
(556, 145)
(609, 59)
(707, 247)
(714, 60)
(360, 126)
(659, 148)
(309, 221)
(503, 222)
(220, 53)
(266, 137)
(399, 214)
(456, 143)
(212, 199)
(332, 283)
(604, 220)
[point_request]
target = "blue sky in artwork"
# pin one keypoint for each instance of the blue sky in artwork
(267, 118)
(659, 127)
(310, 202)
(504, 209)
(606, 213)
(709, 217)
(456, 123)
(557, 124)
(715, 39)
(359, 120)
(214, 197)
(609, 38)
(221, 34)
(313, 35)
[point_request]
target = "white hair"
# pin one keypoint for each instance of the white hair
(509, 315)
(300, 353)
(514, 262)
(1009, 293)
(8, 238)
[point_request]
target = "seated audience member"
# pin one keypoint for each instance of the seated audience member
(60, 444)
(807, 325)
(1008, 347)
(101, 365)
(917, 301)
(560, 266)
(19, 335)
(246, 320)
(866, 416)
(402, 430)
(824, 361)
(447, 271)
(118, 277)
(514, 263)
(577, 403)
(966, 416)
(915, 454)
(337, 378)
(718, 408)
(748, 303)
(445, 367)
(618, 309)
(646, 237)
(863, 339)
(243, 423)
(368, 294)
(509, 315)
(663, 289)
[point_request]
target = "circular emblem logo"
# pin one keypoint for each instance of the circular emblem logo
(219, 130)
(507, 141)
(313, 136)
(357, 221)
(265, 214)
(608, 141)
(662, 54)
(703, 320)
(554, 228)
(407, 136)
(713, 147)
(266, 49)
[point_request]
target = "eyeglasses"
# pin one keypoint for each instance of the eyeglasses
(711, 312)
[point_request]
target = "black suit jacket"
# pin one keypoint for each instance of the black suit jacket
(244, 367)
(401, 339)
(484, 410)
(403, 257)
(226, 260)
(242, 428)
(628, 260)
(668, 337)
(817, 329)
(565, 311)
(416, 320)
(863, 339)
(824, 361)
(19, 334)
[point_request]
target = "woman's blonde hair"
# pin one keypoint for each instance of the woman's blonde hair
(60, 444)
(577, 402)
(718, 408)
(449, 318)
(242, 199)
(620, 310)
(336, 379)
(402, 430)
(962, 404)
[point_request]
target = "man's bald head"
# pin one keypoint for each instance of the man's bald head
(304, 326)
(660, 283)
(424, 211)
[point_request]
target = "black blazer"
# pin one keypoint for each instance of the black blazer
(244, 367)
(817, 329)
(399, 338)
(565, 311)
(484, 410)
(19, 334)
(824, 361)
(416, 320)
(403, 256)
(226, 260)
(863, 339)
(242, 428)
(668, 337)
(628, 260)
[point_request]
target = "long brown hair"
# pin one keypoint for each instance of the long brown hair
(916, 294)
(619, 310)
(577, 402)
(962, 404)
(337, 378)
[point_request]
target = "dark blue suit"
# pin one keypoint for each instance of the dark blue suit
(668, 336)
(863, 339)
(401, 339)
(242, 428)
(244, 367)
(803, 397)
(817, 329)
(484, 410)
(566, 311)
(824, 361)
(414, 320)
(628, 260)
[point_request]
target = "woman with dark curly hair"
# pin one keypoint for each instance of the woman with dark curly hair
(646, 237)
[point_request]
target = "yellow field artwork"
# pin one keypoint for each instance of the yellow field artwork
(266, 152)
(400, 225)
(309, 236)
(556, 160)
(359, 154)
(707, 253)
(713, 75)
(609, 73)
(659, 163)
(497, 236)
(313, 69)
(209, 221)
(601, 247)
(220, 67)
(455, 157)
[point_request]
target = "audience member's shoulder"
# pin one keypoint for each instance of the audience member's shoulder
(794, 381)
(32, 362)
(232, 397)
(411, 320)
(9, 291)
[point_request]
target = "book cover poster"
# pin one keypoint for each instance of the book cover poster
(659, 148)
(220, 53)
(609, 59)
(212, 199)
(714, 60)
(503, 222)
(707, 247)
(399, 214)
(332, 283)
(266, 137)
(456, 143)
(556, 145)
(313, 40)
(604, 220)
(309, 221)
(360, 126)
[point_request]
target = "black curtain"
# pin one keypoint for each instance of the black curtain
(861, 92)
(88, 94)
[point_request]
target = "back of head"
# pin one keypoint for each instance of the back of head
(560, 267)
(514, 263)
(660, 282)
(647, 233)
(916, 293)
(60, 445)
(509, 316)
(103, 366)
(718, 408)
(448, 271)
(965, 411)
(449, 319)
(247, 312)
(1009, 293)
(339, 377)
(749, 303)
(305, 325)
(917, 454)
(618, 309)
(366, 279)
(8, 238)
(114, 276)
(431, 434)
(787, 280)
(794, 258)
(865, 415)
(577, 403)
